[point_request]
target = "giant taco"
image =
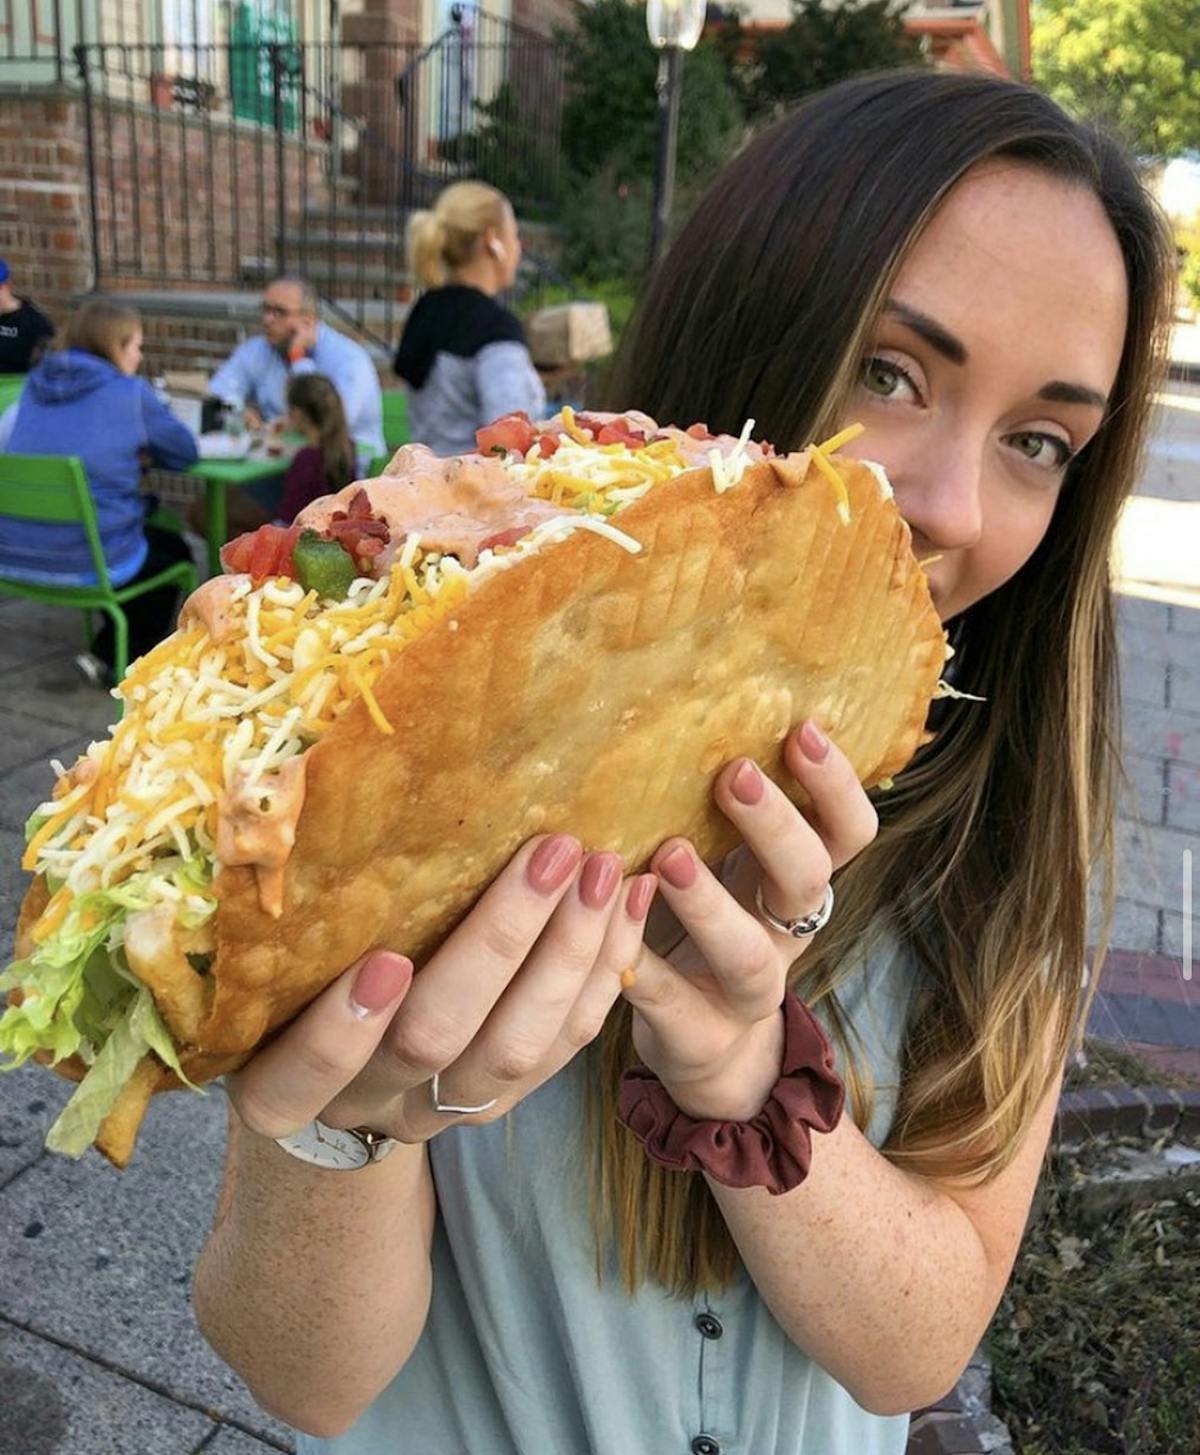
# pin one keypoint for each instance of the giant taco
(351, 732)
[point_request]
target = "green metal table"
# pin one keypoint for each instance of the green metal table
(218, 476)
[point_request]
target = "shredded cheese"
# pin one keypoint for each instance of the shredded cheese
(201, 714)
(839, 485)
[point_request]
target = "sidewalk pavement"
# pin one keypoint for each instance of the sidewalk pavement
(99, 1354)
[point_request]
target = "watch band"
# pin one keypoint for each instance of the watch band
(337, 1149)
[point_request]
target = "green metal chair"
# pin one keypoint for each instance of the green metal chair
(11, 387)
(395, 418)
(54, 489)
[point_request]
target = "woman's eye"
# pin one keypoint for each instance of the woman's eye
(1045, 450)
(886, 380)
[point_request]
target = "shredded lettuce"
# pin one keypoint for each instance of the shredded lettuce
(139, 1030)
(79, 996)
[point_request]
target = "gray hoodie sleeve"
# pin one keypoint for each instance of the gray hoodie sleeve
(506, 381)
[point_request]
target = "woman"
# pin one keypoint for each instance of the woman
(982, 283)
(327, 462)
(463, 354)
(85, 399)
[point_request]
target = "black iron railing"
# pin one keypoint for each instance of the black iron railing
(219, 165)
(41, 35)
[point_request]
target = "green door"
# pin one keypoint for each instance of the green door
(254, 29)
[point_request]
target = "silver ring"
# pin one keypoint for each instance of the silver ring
(799, 929)
(456, 1111)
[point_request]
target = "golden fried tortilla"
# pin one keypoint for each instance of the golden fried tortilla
(588, 690)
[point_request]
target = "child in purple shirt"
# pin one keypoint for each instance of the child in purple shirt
(327, 462)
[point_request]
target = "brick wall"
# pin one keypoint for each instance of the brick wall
(181, 195)
(384, 20)
(44, 232)
(545, 16)
(173, 343)
(187, 197)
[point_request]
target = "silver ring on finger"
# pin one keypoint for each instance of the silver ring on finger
(801, 928)
(455, 1111)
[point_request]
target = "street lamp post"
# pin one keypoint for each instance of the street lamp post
(674, 27)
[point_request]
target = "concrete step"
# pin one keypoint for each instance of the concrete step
(383, 281)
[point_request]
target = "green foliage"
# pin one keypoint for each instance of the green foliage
(606, 226)
(508, 150)
(609, 117)
(1132, 65)
(823, 44)
(1093, 1346)
(1187, 239)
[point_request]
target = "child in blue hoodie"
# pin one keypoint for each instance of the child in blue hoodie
(85, 399)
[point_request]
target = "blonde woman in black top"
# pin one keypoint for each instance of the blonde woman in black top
(463, 354)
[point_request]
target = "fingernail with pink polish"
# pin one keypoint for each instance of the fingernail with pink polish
(814, 742)
(599, 880)
(380, 982)
(553, 862)
(641, 896)
(678, 868)
(747, 784)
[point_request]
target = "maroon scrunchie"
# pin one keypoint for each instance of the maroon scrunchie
(773, 1149)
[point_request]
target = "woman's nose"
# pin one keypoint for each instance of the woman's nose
(942, 500)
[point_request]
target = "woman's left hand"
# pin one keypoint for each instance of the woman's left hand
(709, 1024)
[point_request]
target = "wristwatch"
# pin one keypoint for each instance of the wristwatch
(337, 1149)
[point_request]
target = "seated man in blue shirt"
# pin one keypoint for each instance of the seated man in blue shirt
(254, 380)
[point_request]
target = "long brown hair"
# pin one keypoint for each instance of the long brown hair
(101, 326)
(982, 860)
(314, 395)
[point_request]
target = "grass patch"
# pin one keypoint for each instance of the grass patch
(1107, 1065)
(1095, 1347)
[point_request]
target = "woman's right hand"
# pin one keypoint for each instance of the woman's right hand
(525, 981)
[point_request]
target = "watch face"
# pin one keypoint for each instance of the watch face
(331, 1147)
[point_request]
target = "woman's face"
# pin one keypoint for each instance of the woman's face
(129, 354)
(507, 253)
(990, 368)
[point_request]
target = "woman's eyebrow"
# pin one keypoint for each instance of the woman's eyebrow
(930, 330)
(1059, 392)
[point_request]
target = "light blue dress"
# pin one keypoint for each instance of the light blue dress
(524, 1354)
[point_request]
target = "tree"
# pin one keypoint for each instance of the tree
(823, 44)
(609, 117)
(1132, 65)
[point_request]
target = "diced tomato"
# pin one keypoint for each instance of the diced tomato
(509, 432)
(612, 431)
(264, 552)
(615, 434)
(547, 444)
(235, 554)
(700, 432)
(504, 537)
